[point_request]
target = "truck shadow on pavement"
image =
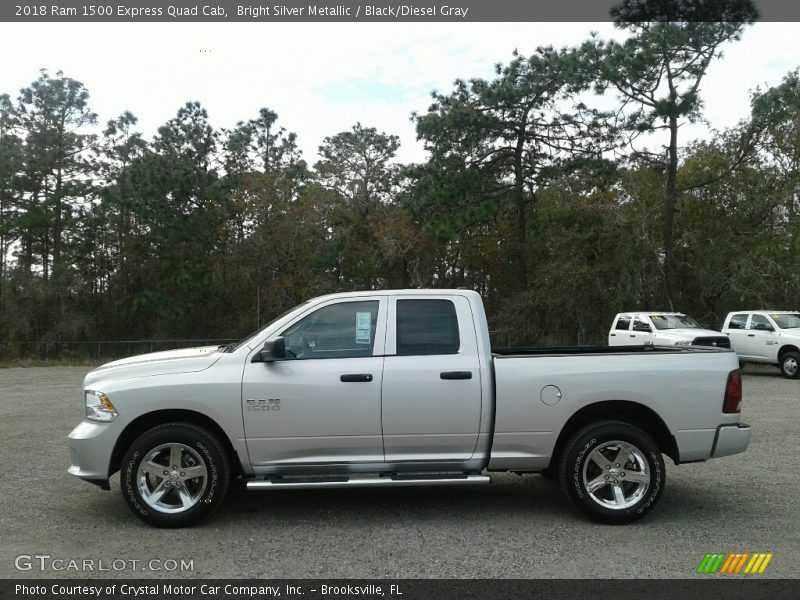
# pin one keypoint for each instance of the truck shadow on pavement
(767, 371)
(507, 498)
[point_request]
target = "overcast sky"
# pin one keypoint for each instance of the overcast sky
(321, 78)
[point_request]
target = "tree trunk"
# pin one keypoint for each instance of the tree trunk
(3, 246)
(2, 265)
(46, 253)
(669, 213)
(57, 228)
(521, 221)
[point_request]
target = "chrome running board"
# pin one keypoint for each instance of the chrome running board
(299, 483)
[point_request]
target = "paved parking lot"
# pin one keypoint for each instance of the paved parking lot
(518, 527)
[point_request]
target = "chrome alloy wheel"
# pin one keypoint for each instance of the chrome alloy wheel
(616, 475)
(172, 478)
(790, 366)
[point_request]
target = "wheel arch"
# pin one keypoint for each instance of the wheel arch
(152, 419)
(787, 348)
(627, 411)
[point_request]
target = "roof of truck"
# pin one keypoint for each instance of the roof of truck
(399, 292)
(764, 310)
(649, 312)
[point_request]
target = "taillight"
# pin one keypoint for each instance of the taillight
(733, 393)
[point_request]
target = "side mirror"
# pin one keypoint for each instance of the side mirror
(272, 351)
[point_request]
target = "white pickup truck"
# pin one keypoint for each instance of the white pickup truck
(766, 336)
(393, 388)
(662, 329)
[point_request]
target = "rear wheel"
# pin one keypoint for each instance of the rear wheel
(790, 365)
(174, 475)
(612, 471)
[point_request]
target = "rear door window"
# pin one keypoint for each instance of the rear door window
(623, 323)
(427, 327)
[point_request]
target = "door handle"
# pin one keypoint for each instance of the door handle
(455, 375)
(356, 378)
(633, 335)
(613, 335)
(751, 335)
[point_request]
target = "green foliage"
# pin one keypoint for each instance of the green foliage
(657, 72)
(361, 186)
(495, 144)
(529, 196)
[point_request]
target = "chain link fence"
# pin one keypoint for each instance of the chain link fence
(96, 351)
(105, 350)
(546, 337)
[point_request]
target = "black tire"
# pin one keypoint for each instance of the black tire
(601, 436)
(196, 448)
(790, 365)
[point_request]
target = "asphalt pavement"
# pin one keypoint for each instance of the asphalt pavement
(517, 527)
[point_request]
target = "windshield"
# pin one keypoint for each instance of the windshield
(674, 322)
(235, 345)
(787, 321)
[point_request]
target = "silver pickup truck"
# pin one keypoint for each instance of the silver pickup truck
(399, 388)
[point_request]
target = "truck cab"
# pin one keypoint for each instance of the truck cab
(385, 379)
(769, 337)
(662, 329)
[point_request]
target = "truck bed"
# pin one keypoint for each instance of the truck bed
(570, 350)
(533, 398)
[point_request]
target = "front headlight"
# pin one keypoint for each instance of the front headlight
(683, 343)
(99, 407)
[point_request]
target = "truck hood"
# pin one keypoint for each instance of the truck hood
(184, 360)
(688, 334)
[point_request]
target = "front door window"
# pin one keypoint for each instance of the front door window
(343, 330)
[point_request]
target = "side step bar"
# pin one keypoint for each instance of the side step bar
(344, 482)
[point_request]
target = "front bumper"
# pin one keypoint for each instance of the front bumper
(731, 439)
(90, 447)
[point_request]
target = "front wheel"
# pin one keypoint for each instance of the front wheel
(790, 365)
(174, 475)
(612, 471)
